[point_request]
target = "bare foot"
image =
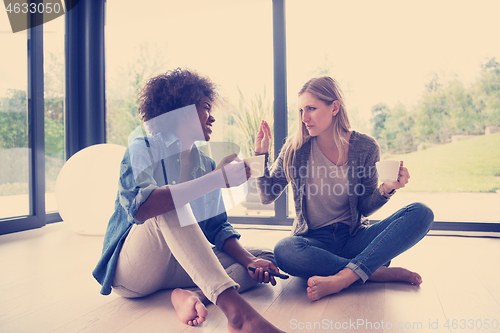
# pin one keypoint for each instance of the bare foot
(252, 324)
(241, 316)
(188, 306)
(393, 274)
(321, 286)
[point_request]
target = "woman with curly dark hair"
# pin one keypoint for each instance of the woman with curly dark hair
(169, 209)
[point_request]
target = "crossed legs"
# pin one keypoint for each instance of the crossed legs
(161, 254)
(331, 259)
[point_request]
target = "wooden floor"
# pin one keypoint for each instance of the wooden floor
(46, 286)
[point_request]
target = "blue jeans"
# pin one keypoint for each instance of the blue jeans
(328, 250)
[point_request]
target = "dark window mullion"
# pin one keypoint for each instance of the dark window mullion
(280, 99)
(36, 115)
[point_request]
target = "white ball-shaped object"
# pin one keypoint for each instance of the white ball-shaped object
(86, 188)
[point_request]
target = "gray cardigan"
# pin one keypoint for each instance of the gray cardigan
(364, 197)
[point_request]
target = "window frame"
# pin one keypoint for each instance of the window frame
(85, 111)
(36, 140)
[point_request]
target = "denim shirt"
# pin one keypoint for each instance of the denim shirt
(150, 163)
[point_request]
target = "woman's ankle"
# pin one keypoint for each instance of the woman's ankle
(348, 276)
(201, 296)
(232, 304)
(238, 311)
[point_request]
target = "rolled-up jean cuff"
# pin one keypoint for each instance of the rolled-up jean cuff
(359, 271)
(220, 289)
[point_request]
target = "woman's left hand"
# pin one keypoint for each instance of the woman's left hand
(403, 178)
(263, 138)
(259, 275)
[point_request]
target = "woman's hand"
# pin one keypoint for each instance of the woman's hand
(235, 174)
(403, 177)
(259, 274)
(263, 139)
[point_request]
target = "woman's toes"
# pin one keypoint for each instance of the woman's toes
(416, 279)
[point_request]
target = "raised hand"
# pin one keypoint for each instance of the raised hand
(263, 139)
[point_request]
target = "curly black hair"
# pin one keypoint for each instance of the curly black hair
(173, 90)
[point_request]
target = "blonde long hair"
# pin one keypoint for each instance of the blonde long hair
(327, 90)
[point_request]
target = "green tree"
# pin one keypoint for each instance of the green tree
(13, 120)
(379, 116)
(54, 105)
(466, 117)
(487, 92)
(432, 120)
(15, 101)
(54, 138)
(379, 132)
(393, 128)
(400, 128)
(443, 111)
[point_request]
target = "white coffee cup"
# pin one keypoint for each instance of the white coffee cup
(388, 171)
(256, 164)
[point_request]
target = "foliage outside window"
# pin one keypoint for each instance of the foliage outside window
(429, 94)
(239, 60)
(54, 73)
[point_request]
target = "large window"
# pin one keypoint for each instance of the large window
(54, 107)
(424, 80)
(228, 41)
(31, 123)
(14, 145)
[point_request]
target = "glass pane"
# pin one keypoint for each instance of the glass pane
(14, 151)
(419, 80)
(53, 39)
(228, 41)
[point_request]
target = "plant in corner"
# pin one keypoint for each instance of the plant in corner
(249, 116)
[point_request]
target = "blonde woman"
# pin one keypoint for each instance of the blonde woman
(335, 187)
